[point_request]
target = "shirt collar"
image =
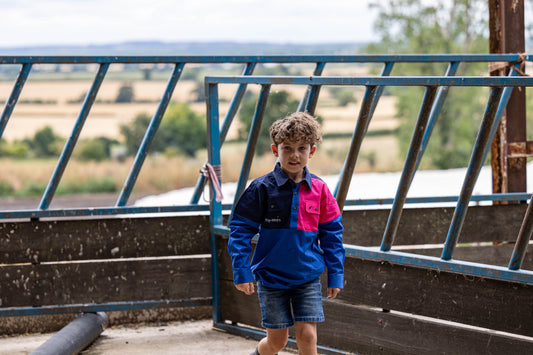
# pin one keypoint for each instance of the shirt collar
(282, 178)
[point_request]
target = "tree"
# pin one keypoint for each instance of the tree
(16, 149)
(279, 105)
(453, 26)
(181, 128)
(133, 133)
(46, 143)
(125, 93)
(96, 149)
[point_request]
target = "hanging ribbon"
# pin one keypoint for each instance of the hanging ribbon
(210, 172)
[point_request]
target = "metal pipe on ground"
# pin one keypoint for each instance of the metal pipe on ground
(75, 336)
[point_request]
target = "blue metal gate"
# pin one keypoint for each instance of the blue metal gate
(435, 94)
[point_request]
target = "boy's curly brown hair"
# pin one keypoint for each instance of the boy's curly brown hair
(299, 126)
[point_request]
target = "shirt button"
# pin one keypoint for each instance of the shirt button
(295, 193)
(294, 208)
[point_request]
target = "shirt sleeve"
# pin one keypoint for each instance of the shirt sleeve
(244, 225)
(330, 236)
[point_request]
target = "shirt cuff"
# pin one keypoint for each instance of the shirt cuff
(241, 276)
(336, 281)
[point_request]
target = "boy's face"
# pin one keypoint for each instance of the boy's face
(293, 157)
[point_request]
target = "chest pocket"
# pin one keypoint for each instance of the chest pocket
(312, 207)
(309, 217)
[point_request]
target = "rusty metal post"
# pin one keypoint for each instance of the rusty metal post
(506, 22)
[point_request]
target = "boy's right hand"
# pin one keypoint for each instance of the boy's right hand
(247, 287)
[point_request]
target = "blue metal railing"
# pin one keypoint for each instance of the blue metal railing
(217, 131)
(436, 87)
(496, 102)
(308, 102)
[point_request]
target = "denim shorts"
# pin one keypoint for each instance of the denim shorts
(280, 308)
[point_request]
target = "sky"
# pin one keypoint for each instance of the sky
(86, 22)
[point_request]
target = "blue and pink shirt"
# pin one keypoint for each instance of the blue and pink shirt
(300, 232)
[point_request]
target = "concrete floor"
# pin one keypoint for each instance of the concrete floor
(191, 338)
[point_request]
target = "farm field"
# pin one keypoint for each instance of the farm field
(105, 119)
(59, 105)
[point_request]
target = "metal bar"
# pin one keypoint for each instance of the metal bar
(435, 110)
(230, 115)
(215, 217)
(235, 103)
(142, 152)
(456, 266)
(520, 149)
(516, 197)
(71, 141)
(357, 138)
(102, 211)
(522, 242)
(386, 70)
(472, 173)
(252, 141)
(507, 29)
(408, 171)
(175, 209)
(499, 156)
(310, 98)
(375, 81)
(103, 307)
(506, 95)
(363, 58)
(14, 96)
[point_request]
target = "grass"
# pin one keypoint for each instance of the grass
(160, 173)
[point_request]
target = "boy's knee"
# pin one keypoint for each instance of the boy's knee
(306, 336)
(278, 343)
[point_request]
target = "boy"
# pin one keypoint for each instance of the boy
(300, 233)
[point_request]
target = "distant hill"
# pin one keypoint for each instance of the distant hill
(188, 48)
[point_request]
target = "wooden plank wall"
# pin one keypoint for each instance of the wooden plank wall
(426, 312)
(81, 261)
(135, 259)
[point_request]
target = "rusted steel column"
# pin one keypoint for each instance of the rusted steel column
(506, 22)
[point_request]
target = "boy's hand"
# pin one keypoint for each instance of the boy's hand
(332, 293)
(247, 287)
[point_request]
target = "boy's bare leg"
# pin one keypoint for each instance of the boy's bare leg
(274, 342)
(306, 338)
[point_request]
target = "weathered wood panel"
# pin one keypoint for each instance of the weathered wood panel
(105, 281)
(494, 255)
(430, 225)
(365, 330)
(470, 300)
(103, 238)
(224, 260)
(474, 301)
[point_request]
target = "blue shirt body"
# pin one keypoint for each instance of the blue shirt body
(300, 232)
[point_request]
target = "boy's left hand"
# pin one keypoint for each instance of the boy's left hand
(332, 292)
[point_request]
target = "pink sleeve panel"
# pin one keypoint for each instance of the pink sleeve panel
(316, 206)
